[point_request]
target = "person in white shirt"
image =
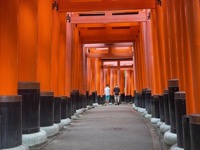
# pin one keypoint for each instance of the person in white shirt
(107, 93)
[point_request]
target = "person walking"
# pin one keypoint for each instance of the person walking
(116, 94)
(107, 93)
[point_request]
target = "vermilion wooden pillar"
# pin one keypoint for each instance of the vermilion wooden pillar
(111, 81)
(127, 80)
(146, 41)
(108, 76)
(55, 52)
(62, 54)
(121, 86)
(97, 74)
(132, 82)
(143, 56)
(166, 40)
(150, 72)
(88, 74)
(161, 48)
(137, 67)
(115, 76)
(91, 74)
(193, 21)
(180, 44)
(28, 40)
(102, 81)
(172, 37)
(187, 63)
(104, 78)
(8, 47)
(156, 68)
(77, 61)
(68, 76)
(44, 44)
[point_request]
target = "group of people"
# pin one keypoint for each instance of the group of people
(116, 91)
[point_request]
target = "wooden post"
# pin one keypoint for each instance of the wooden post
(193, 21)
(28, 40)
(8, 47)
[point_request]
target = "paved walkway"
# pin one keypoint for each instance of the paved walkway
(110, 127)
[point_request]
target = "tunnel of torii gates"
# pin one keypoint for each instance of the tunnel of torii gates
(40, 43)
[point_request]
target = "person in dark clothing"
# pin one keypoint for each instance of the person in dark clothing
(116, 94)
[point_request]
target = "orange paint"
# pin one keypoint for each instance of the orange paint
(193, 21)
(156, 67)
(44, 45)
(121, 86)
(172, 36)
(97, 70)
(28, 40)
(161, 49)
(8, 47)
(62, 54)
(55, 53)
(68, 69)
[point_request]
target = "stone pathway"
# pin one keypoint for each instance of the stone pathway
(110, 127)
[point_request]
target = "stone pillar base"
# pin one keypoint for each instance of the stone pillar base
(35, 138)
(78, 112)
(164, 128)
(159, 123)
(66, 122)
(170, 138)
(95, 104)
(155, 120)
(144, 113)
(61, 125)
(51, 130)
(21, 147)
(74, 117)
(148, 116)
(175, 147)
(141, 110)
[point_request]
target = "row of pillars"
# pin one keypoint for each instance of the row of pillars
(98, 77)
(32, 116)
(168, 112)
(37, 46)
(167, 47)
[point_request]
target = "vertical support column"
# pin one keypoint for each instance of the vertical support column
(102, 81)
(77, 61)
(68, 73)
(132, 88)
(166, 41)
(172, 87)
(180, 110)
(62, 54)
(187, 63)
(160, 51)
(104, 77)
(156, 66)
(28, 40)
(121, 81)
(172, 37)
(193, 21)
(111, 81)
(55, 52)
(97, 74)
(108, 76)
(44, 44)
(11, 122)
(8, 47)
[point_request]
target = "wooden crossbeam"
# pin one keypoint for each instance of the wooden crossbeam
(108, 18)
(113, 56)
(104, 5)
